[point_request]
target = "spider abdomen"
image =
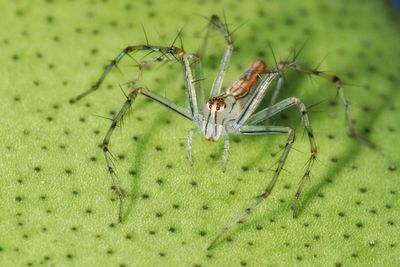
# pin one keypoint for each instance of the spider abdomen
(242, 86)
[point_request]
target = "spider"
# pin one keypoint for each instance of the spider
(226, 112)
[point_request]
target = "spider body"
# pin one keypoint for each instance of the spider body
(220, 112)
(225, 113)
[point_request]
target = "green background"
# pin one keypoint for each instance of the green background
(57, 207)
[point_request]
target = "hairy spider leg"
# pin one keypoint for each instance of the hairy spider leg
(183, 58)
(339, 85)
(118, 118)
(176, 52)
(223, 29)
(252, 129)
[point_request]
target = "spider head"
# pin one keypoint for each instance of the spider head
(214, 112)
(216, 104)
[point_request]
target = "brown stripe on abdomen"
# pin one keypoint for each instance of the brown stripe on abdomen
(241, 87)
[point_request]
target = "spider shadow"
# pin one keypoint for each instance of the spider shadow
(140, 148)
(352, 152)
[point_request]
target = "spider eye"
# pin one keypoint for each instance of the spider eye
(209, 106)
(217, 108)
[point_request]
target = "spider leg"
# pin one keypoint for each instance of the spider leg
(223, 29)
(253, 102)
(283, 105)
(130, 98)
(339, 85)
(278, 87)
(256, 130)
(260, 117)
(176, 52)
(189, 144)
(198, 79)
(225, 155)
(253, 130)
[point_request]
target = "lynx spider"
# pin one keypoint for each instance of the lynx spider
(226, 112)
